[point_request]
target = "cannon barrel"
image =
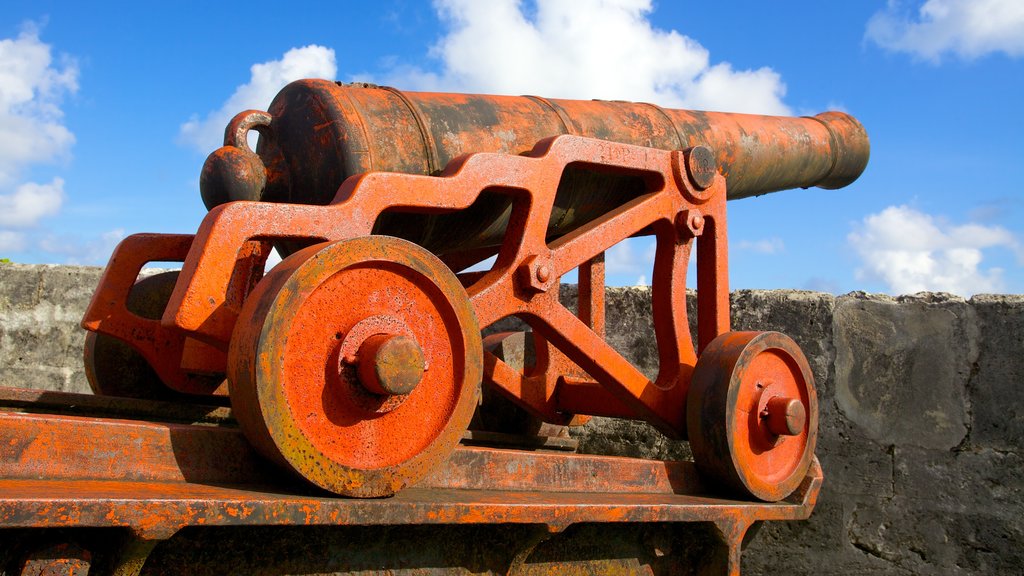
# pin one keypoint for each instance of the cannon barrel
(318, 133)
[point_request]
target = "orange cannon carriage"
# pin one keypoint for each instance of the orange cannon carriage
(409, 223)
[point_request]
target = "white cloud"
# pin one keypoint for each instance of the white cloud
(911, 251)
(967, 28)
(771, 245)
(266, 80)
(31, 90)
(584, 49)
(30, 202)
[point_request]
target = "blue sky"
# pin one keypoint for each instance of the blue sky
(107, 111)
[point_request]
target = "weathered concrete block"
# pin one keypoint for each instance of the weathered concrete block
(967, 481)
(853, 464)
(69, 288)
(19, 286)
(819, 546)
(806, 317)
(630, 327)
(996, 391)
(944, 516)
(44, 378)
(902, 367)
(921, 540)
(32, 343)
(40, 339)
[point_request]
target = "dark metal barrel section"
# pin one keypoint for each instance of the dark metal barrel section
(321, 132)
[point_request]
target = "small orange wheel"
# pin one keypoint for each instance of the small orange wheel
(357, 364)
(752, 414)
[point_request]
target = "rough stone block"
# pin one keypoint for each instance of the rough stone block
(966, 481)
(19, 286)
(41, 344)
(902, 367)
(630, 327)
(997, 396)
(915, 538)
(76, 381)
(69, 288)
(853, 464)
(36, 378)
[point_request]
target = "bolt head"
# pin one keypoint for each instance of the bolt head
(536, 274)
(543, 273)
(690, 223)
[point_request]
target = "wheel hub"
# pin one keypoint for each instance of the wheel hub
(390, 365)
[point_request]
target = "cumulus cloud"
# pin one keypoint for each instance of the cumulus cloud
(266, 79)
(29, 202)
(584, 49)
(911, 251)
(967, 28)
(32, 87)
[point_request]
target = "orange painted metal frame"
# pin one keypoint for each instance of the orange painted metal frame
(682, 201)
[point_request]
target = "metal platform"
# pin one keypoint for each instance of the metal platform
(70, 462)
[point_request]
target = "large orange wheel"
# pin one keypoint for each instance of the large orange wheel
(357, 364)
(752, 414)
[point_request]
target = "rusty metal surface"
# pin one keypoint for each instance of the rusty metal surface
(356, 362)
(114, 368)
(297, 359)
(531, 512)
(753, 413)
(322, 132)
(129, 311)
(160, 509)
(70, 471)
(71, 404)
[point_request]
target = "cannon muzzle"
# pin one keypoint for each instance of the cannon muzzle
(318, 133)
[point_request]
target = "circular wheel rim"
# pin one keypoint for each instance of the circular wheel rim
(737, 376)
(294, 387)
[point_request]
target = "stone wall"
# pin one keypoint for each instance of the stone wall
(922, 415)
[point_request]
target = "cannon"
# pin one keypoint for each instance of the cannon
(357, 361)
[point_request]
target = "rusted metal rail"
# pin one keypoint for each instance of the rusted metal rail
(148, 485)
